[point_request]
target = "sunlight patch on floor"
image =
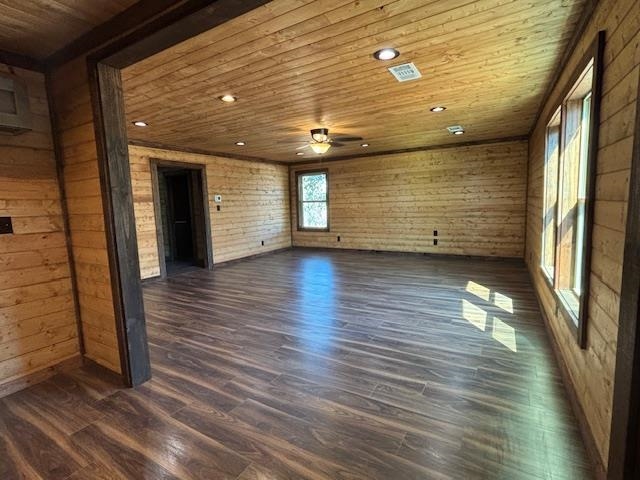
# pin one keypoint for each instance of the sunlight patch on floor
(478, 290)
(505, 334)
(474, 315)
(503, 302)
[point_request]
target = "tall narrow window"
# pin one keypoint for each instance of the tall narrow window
(549, 217)
(569, 173)
(573, 192)
(313, 201)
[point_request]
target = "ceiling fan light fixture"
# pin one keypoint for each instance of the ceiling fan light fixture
(320, 135)
(386, 54)
(320, 147)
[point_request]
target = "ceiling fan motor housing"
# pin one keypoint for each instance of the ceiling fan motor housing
(320, 134)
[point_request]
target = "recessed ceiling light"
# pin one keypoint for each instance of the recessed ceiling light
(459, 132)
(140, 123)
(241, 144)
(386, 54)
(300, 154)
(228, 98)
(438, 109)
(364, 145)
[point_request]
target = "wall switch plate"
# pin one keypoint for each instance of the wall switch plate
(217, 198)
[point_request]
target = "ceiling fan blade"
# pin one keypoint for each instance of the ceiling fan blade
(346, 138)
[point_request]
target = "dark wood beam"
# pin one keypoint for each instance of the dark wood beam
(127, 21)
(321, 160)
(624, 462)
(187, 21)
(21, 61)
(201, 151)
(113, 158)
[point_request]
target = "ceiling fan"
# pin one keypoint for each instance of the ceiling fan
(320, 141)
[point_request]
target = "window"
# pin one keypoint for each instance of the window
(551, 162)
(569, 166)
(313, 201)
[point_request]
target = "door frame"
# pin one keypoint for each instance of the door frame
(145, 29)
(154, 163)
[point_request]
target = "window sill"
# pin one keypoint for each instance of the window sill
(563, 308)
(307, 229)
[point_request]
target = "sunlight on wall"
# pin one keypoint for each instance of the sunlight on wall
(505, 334)
(502, 301)
(478, 290)
(474, 315)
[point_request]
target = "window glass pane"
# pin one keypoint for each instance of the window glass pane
(552, 156)
(314, 187)
(573, 192)
(314, 215)
(582, 194)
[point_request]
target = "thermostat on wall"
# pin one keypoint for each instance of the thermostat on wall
(217, 198)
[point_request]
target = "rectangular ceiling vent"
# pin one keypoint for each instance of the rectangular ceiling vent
(405, 72)
(455, 128)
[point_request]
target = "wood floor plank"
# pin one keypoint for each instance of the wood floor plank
(316, 364)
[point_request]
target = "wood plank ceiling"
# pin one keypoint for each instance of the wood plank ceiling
(38, 28)
(299, 64)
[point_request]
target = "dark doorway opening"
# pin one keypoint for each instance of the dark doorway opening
(182, 220)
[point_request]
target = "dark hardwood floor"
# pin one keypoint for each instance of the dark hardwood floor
(320, 365)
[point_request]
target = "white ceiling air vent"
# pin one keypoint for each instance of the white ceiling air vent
(405, 72)
(455, 128)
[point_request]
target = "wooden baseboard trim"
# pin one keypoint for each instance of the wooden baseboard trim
(250, 257)
(451, 256)
(21, 382)
(599, 469)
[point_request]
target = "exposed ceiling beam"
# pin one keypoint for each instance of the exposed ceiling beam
(21, 61)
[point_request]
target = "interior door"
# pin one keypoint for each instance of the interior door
(180, 216)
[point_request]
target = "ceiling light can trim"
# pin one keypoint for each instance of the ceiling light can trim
(241, 143)
(385, 54)
(438, 109)
(140, 123)
(228, 98)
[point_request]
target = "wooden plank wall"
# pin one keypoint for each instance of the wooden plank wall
(592, 370)
(255, 205)
(473, 196)
(37, 316)
(70, 86)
